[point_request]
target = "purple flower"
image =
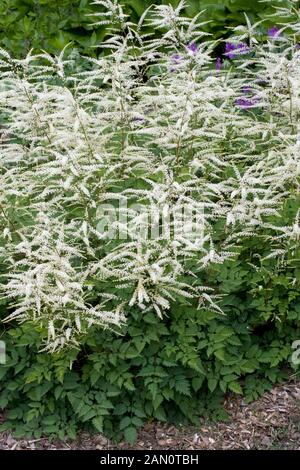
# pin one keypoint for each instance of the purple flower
(218, 64)
(246, 103)
(138, 120)
(192, 47)
(242, 48)
(229, 48)
(243, 103)
(273, 32)
(232, 50)
(176, 58)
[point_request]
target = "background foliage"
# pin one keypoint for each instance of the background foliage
(51, 24)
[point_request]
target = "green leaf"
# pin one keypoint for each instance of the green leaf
(49, 420)
(98, 423)
(3, 402)
(197, 383)
(212, 383)
(125, 422)
(182, 386)
(157, 401)
(220, 354)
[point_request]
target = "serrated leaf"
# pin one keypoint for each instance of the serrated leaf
(98, 423)
(220, 354)
(183, 387)
(125, 422)
(235, 387)
(212, 383)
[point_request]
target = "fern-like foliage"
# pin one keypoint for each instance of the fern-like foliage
(154, 123)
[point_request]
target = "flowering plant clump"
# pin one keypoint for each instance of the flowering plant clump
(116, 171)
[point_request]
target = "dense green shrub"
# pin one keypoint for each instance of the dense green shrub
(51, 24)
(176, 370)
